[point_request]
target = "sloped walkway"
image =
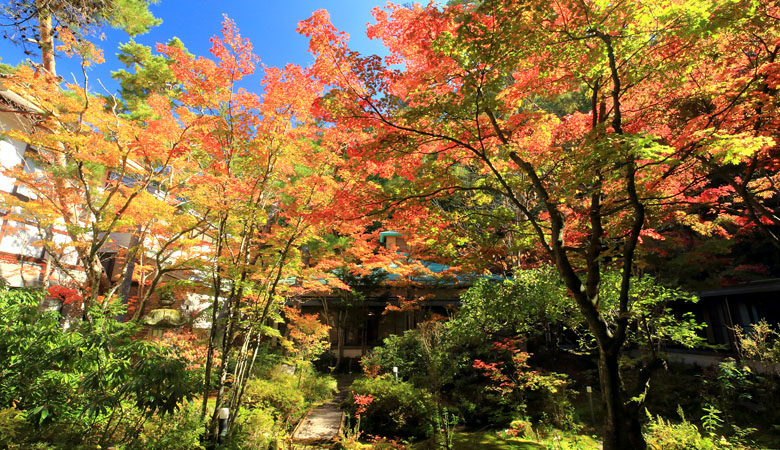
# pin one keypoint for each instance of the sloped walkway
(323, 424)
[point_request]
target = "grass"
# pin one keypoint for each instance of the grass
(495, 440)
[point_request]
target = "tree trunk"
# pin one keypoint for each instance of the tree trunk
(232, 314)
(46, 273)
(46, 37)
(127, 281)
(92, 285)
(622, 430)
(340, 326)
(217, 285)
(235, 402)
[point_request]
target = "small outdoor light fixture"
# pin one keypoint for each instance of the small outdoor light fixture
(395, 372)
(223, 416)
(589, 390)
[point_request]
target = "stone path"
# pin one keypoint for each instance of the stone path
(323, 424)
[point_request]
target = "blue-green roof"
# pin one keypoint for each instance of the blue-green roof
(384, 234)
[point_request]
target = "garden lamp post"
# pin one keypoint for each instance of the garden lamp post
(589, 390)
(395, 372)
(224, 414)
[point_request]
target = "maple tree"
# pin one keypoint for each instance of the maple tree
(207, 179)
(516, 375)
(724, 121)
(267, 186)
(362, 402)
(306, 337)
(165, 240)
(39, 22)
(542, 122)
(96, 174)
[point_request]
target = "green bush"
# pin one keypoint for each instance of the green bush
(317, 388)
(12, 427)
(533, 302)
(760, 342)
(664, 434)
(257, 428)
(746, 398)
(279, 394)
(447, 367)
(92, 384)
(440, 358)
(404, 351)
(398, 410)
(178, 431)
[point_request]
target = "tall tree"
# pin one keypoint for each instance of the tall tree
(268, 187)
(468, 106)
(37, 22)
(97, 173)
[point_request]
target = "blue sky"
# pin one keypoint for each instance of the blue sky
(270, 25)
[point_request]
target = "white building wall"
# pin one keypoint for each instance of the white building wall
(11, 154)
(21, 239)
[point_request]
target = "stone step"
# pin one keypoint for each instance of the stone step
(320, 424)
(323, 424)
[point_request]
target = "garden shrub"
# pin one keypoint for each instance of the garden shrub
(681, 385)
(178, 431)
(667, 435)
(446, 367)
(553, 405)
(760, 342)
(373, 443)
(398, 409)
(522, 427)
(92, 384)
(403, 351)
(288, 396)
(317, 388)
(280, 394)
(735, 382)
(267, 362)
(745, 397)
(257, 428)
(12, 427)
(275, 401)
